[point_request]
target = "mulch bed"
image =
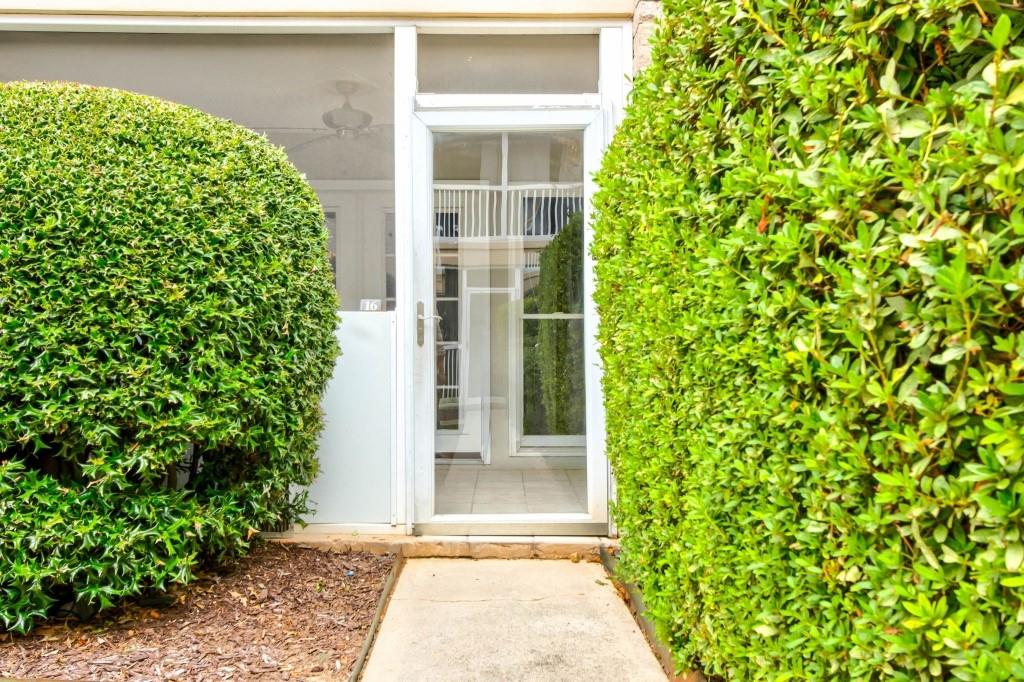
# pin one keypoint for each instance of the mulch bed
(281, 613)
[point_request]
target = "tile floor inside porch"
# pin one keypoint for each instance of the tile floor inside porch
(482, 489)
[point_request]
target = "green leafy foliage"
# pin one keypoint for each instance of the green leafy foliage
(553, 363)
(809, 257)
(167, 318)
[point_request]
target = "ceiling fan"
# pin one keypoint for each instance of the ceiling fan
(345, 121)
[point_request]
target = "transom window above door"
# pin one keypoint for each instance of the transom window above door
(493, 64)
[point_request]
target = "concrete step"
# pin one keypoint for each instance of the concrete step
(574, 548)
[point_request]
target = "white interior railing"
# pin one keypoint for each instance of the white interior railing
(466, 211)
(448, 370)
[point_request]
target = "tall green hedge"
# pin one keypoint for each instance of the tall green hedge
(810, 254)
(167, 316)
(560, 342)
(553, 361)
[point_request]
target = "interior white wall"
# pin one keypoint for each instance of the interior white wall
(359, 243)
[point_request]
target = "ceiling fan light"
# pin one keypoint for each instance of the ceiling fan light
(347, 118)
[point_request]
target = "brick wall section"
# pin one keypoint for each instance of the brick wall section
(645, 15)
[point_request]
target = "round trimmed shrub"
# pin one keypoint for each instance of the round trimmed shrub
(810, 262)
(167, 316)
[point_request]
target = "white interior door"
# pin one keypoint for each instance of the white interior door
(505, 360)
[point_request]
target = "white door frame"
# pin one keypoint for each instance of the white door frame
(585, 117)
(411, 133)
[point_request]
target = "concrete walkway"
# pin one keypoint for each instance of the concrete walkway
(497, 619)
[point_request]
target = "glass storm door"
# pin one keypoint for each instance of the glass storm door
(502, 395)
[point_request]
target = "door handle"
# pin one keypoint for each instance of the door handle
(420, 320)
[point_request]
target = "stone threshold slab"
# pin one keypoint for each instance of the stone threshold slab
(574, 548)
